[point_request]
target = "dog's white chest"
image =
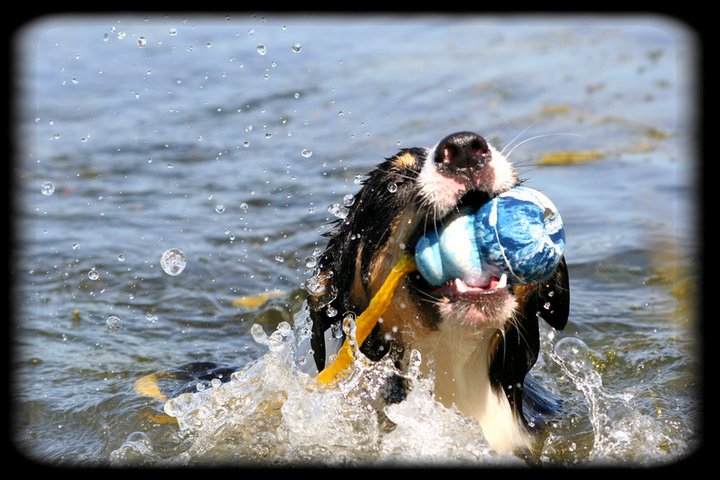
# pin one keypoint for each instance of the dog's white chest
(459, 361)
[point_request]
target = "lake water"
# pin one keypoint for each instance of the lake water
(228, 137)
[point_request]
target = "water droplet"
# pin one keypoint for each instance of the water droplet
(151, 318)
(348, 200)
(106, 37)
(249, 128)
(75, 81)
(297, 95)
(348, 325)
(330, 311)
(246, 144)
(317, 251)
(551, 293)
(173, 31)
(341, 113)
(392, 187)
(296, 47)
(121, 257)
(200, 386)
(306, 152)
(311, 262)
(75, 246)
(574, 353)
(258, 334)
(358, 179)
(268, 135)
(173, 261)
(142, 43)
(220, 208)
(261, 49)
(93, 274)
(244, 207)
(113, 324)
(215, 382)
(279, 258)
(338, 210)
(314, 286)
(121, 35)
(251, 32)
(47, 189)
(208, 44)
(547, 306)
(336, 329)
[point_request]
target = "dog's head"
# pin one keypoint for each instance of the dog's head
(407, 195)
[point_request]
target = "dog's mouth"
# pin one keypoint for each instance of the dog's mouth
(480, 300)
(457, 289)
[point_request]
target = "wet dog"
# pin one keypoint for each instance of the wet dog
(481, 340)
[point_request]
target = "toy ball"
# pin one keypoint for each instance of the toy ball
(518, 233)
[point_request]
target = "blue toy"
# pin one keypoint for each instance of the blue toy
(518, 233)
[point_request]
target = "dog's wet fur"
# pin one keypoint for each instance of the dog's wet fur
(480, 340)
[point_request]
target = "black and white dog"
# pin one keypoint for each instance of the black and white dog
(481, 339)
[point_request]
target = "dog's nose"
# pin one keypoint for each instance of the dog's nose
(462, 151)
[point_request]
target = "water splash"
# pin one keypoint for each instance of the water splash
(272, 411)
(620, 432)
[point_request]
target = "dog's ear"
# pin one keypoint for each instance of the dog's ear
(552, 297)
(514, 355)
(517, 350)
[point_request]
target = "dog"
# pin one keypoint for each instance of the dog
(481, 340)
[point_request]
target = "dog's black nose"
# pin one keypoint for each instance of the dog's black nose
(462, 151)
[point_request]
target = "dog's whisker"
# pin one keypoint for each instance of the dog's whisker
(516, 137)
(428, 297)
(507, 157)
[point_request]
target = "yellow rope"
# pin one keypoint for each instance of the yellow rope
(365, 323)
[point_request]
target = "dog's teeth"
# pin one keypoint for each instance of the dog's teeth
(460, 286)
(502, 283)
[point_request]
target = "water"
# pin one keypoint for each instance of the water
(144, 126)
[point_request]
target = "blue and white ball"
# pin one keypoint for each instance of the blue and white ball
(519, 233)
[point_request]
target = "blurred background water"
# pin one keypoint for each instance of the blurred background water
(228, 137)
